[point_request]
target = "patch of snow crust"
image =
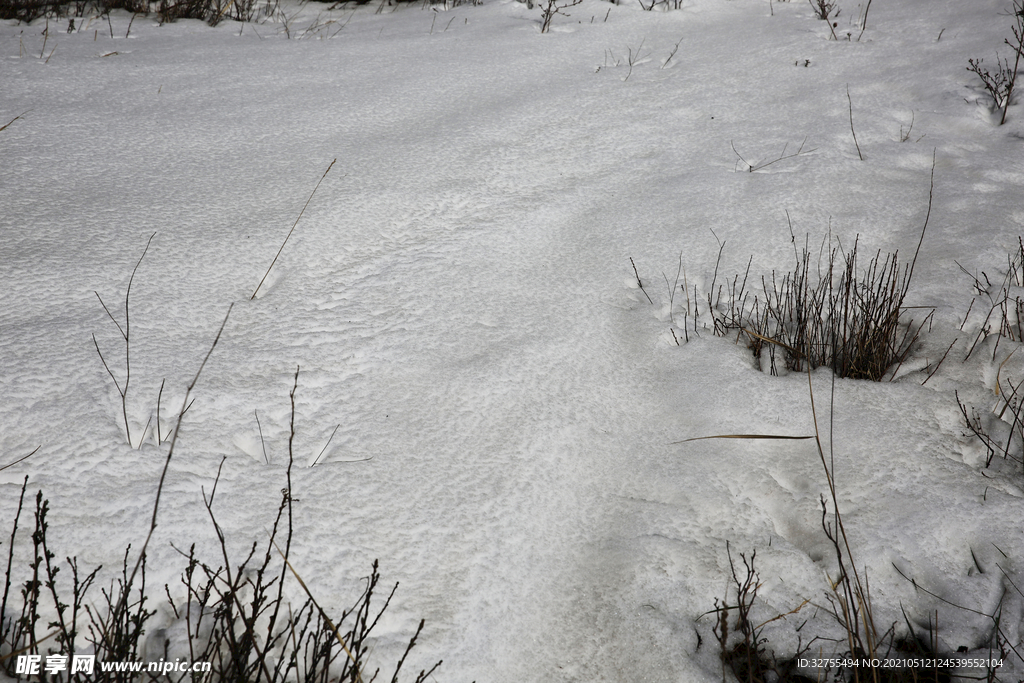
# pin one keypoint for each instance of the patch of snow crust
(459, 298)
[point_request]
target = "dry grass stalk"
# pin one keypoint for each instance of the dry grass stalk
(288, 236)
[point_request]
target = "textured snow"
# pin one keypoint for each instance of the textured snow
(459, 298)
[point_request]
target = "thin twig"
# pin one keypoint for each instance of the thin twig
(850, 100)
(671, 54)
(927, 216)
(741, 436)
(126, 334)
(21, 115)
(326, 445)
(641, 284)
(291, 231)
(864, 21)
(782, 156)
(263, 443)
(633, 58)
(159, 395)
(939, 364)
(24, 457)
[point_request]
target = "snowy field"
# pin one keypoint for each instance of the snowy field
(460, 300)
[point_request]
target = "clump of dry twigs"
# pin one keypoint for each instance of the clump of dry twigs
(999, 83)
(833, 315)
(1001, 429)
(234, 618)
(828, 311)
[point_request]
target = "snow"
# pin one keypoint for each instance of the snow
(459, 299)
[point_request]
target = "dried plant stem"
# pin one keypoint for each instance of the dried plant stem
(324, 450)
(782, 156)
(927, 217)
(850, 100)
(24, 457)
(292, 230)
(21, 115)
(125, 331)
(638, 282)
(939, 364)
(864, 19)
(263, 443)
(742, 436)
(672, 54)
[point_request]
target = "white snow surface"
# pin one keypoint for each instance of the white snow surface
(459, 299)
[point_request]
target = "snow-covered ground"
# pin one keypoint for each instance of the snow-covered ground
(460, 300)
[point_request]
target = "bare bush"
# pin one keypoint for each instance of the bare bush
(1000, 82)
(549, 8)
